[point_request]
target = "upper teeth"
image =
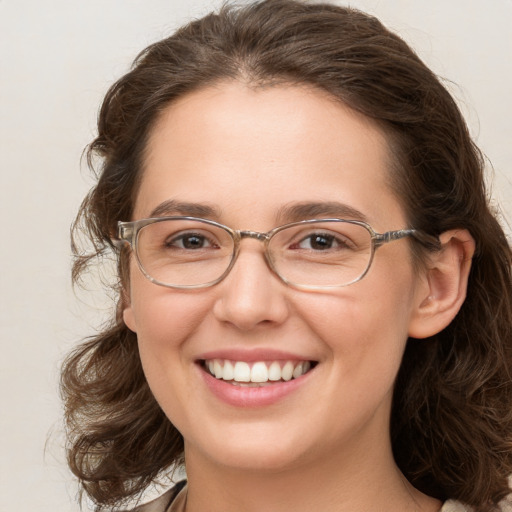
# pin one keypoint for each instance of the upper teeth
(258, 372)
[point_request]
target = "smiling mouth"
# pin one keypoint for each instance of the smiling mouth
(257, 373)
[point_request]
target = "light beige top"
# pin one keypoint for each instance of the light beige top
(178, 504)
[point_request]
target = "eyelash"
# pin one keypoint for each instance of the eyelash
(172, 243)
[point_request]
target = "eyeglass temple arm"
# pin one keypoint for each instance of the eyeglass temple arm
(124, 235)
(430, 242)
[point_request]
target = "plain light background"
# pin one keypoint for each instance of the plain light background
(57, 59)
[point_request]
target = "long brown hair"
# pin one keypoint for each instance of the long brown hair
(451, 423)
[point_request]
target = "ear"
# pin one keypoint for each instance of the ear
(128, 315)
(443, 288)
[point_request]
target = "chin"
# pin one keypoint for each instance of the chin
(253, 451)
(259, 460)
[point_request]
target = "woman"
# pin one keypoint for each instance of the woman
(314, 297)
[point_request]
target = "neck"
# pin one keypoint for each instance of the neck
(350, 482)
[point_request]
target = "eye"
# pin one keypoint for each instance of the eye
(190, 241)
(321, 242)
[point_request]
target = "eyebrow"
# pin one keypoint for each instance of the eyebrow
(289, 213)
(173, 207)
(312, 210)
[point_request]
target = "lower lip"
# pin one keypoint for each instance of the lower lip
(241, 396)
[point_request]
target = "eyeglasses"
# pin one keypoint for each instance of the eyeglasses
(188, 252)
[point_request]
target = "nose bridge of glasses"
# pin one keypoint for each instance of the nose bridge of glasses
(262, 237)
(256, 235)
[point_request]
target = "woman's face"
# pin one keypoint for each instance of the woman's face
(246, 157)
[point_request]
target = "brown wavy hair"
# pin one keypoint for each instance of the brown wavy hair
(451, 423)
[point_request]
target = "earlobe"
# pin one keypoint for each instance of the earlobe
(125, 293)
(128, 316)
(443, 290)
(129, 319)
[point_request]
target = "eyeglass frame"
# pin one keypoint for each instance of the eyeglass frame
(128, 234)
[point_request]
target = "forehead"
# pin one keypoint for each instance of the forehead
(241, 148)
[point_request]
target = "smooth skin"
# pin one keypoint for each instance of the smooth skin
(248, 154)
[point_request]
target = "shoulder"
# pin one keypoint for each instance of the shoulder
(456, 506)
(159, 505)
(163, 502)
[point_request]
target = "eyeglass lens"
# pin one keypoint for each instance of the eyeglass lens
(182, 252)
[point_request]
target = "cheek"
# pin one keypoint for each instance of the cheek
(163, 320)
(365, 326)
(162, 315)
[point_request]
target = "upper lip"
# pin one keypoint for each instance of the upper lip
(251, 355)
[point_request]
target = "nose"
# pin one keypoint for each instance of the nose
(251, 295)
